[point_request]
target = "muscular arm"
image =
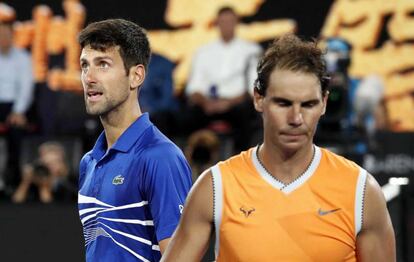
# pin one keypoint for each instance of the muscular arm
(376, 241)
(163, 244)
(190, 240)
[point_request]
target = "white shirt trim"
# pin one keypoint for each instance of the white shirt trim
(218, 203)
(296, 183)
(359, 200)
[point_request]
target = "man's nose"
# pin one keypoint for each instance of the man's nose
(295, 115)
(89, 75)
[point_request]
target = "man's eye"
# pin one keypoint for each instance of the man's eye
(103, 65)
(283, 103)
(84, 68)
(309, 104)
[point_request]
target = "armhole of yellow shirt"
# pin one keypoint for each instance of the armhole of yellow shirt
(217, 203)
(359, 200)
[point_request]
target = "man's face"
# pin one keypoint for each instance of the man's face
(291, 108)
(6, 37)
(105, 83)
(227, 22)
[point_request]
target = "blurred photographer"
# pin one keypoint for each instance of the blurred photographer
(48, 173)
(334, 126)
(202, 151)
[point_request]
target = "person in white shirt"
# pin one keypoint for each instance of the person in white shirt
(16, 95)
(221, 81)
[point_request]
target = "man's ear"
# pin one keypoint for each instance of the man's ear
(258, 101)
(136, 76)
(325, 102)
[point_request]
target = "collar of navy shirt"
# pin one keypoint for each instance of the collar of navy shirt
(129, 138)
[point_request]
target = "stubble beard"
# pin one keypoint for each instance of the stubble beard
(106, 106)
(102, 108)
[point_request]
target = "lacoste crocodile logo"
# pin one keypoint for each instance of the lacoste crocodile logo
(118, 180)
(247, 211)
(326, 212)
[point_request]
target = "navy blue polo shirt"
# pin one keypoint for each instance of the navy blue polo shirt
(131, 196)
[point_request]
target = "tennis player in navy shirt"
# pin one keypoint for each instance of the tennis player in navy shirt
(134, 182)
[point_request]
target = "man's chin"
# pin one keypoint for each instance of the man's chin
(94, 111)
(293, 144)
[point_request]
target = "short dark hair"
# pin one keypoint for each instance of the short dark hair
(289, 52)
(130, 37)
(226, 9)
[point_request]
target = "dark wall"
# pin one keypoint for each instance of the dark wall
(36, 232)
(309, 15)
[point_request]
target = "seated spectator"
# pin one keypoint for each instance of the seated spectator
(16, 93)
(48, 173)
(368, 97)
(221, 82)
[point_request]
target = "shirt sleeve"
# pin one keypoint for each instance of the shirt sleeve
(25, 85)
(167, 182)
(82, 168)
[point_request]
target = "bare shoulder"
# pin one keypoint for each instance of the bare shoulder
(191, 237)
(205, 180)
(374, 202)
(373, 189)
(203, 184)
(200, 199)
(376, 240)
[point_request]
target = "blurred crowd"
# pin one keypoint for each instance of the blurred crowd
(44, 132)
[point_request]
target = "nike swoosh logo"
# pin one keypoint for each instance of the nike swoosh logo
(325, 212)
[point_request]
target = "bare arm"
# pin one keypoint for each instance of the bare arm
(376, 241)
(163, 244)
(190, 240)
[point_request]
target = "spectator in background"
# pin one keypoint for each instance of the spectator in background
(336, 120)
(221, 81)
(202, 151)
(157, 93)
(48, 173)
(368, 97)
(16, 91)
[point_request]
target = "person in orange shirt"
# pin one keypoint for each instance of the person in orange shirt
(287, 199)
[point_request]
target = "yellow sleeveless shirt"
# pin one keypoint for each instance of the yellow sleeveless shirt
(315, 218)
